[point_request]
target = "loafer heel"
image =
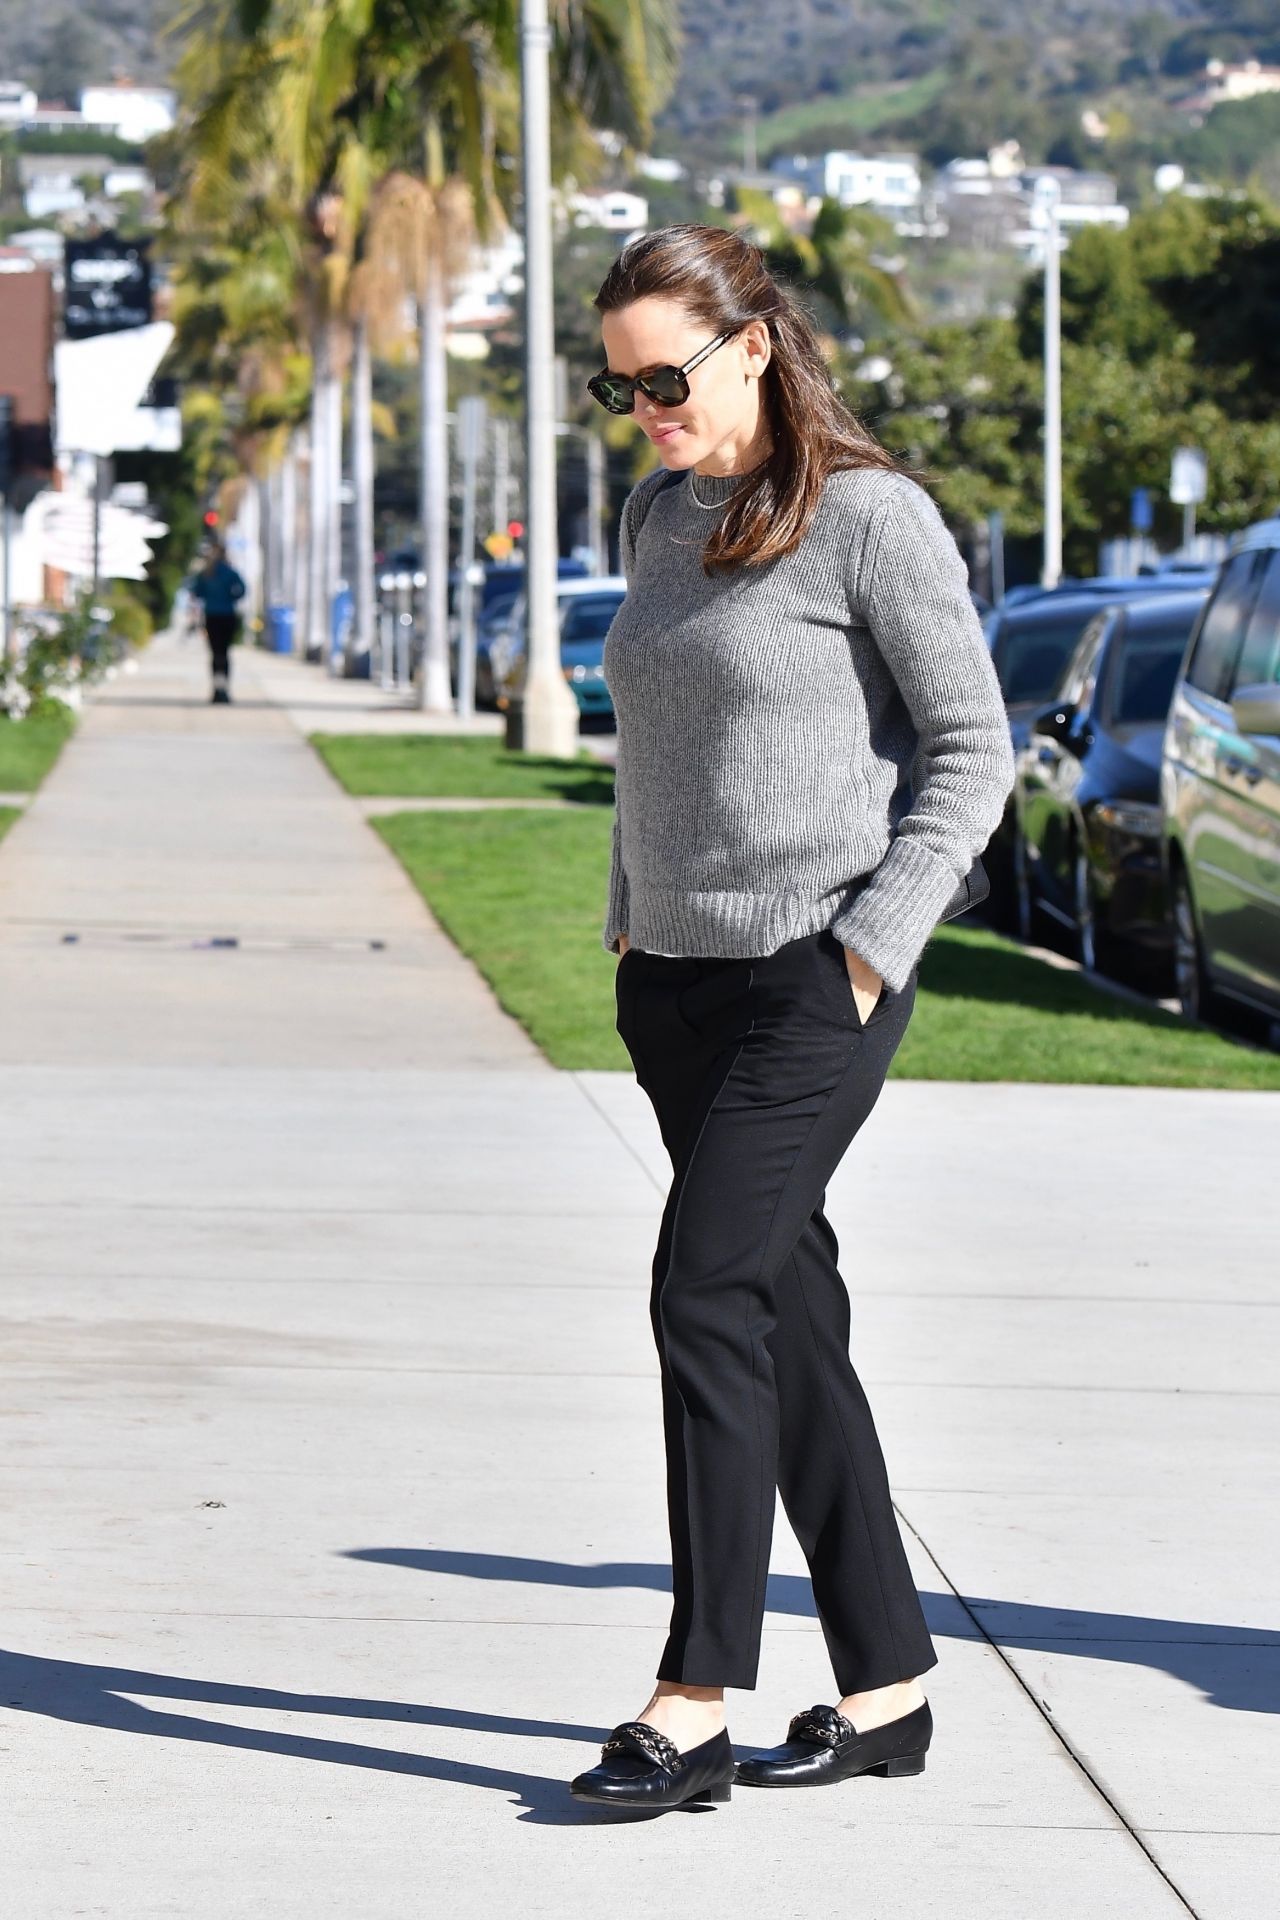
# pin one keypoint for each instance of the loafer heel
(905, 1763)
(719, 1793)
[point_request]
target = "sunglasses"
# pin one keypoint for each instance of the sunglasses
(668, 386)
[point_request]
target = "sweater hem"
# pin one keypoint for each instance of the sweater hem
(724, 925)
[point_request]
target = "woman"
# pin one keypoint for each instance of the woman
(812, 749)
(219, 588)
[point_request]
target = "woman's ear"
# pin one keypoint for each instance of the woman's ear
(759, 346)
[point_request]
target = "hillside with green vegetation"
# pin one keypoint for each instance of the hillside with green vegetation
(62, 45)
(935, 75)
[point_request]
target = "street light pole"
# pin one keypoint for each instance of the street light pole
(544, 717)
(1047, 193)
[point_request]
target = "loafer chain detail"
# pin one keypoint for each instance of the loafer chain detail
(640, 1767)
(825, 1726)
(822, 1746)
(638, 1733)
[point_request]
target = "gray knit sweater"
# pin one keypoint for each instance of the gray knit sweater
(784, 730)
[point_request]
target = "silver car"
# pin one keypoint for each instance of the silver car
(1220, 789)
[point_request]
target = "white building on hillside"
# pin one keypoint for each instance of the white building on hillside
(133, 113)
(17, 102)
(1224, 84)
(616, 212)
(659, 167)
(887, 182)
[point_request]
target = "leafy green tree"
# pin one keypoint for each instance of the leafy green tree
(1168, 340)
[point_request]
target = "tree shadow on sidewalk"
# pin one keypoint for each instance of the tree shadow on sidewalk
(1202, 1654)
(96, 1696)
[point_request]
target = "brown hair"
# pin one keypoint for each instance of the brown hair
(720, 278)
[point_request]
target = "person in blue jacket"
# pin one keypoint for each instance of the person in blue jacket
(218, 588)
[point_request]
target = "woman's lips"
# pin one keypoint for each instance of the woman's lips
(666, 433)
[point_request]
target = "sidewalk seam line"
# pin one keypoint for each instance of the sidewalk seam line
(1049, 1720)
(575, 1074)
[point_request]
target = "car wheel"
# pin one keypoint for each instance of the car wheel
(1191, 983)
(1095, 949)
(1023, 899)
(1086, 932)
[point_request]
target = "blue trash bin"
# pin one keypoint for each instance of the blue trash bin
(280, 623)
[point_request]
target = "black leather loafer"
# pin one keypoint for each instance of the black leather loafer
(822, 1746)
(640, 1767)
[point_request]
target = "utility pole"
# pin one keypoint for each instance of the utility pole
(1047, 195)
(500, 505)
(544, 717)
(7, 647)
(434, 694)
(6, 520)
(595, 503)
(97, 527)
(471, 426)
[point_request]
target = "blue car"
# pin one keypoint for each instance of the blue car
(586, 608)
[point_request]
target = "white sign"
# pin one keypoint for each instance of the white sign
(100, 382)
(1188, 477)
(62, 528)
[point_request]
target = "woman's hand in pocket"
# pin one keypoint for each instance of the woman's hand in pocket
(623, 944)
(865, 982)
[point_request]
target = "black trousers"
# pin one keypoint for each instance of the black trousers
(221, 629)
(760, 1072)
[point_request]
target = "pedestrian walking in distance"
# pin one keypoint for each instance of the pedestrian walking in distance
(219, 589)
(812, 751)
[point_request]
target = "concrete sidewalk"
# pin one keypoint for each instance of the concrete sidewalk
(320, 1287)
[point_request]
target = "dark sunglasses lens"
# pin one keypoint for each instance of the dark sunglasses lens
(616, 395)
(667, 385)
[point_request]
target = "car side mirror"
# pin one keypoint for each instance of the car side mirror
(1256, 709)
(1057, 722)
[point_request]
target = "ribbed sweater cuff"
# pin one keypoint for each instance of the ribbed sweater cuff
(897, 909)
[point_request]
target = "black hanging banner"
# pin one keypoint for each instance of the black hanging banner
(108, 286)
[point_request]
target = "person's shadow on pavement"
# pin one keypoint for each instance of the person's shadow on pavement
(1203, 1654)
(94, 1696)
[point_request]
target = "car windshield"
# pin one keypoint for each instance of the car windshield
(1033, 648)
(589, 618)
(1142, 672)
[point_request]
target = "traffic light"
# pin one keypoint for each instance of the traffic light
(515, 528)
(211, 518)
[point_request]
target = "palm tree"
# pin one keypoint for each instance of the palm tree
(836, 261)
(323, 96)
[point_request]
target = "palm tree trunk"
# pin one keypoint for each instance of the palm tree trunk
(434, 692)
(362, 473)
(333, 543)
(266, 524)
(318, 492)
(300, 555)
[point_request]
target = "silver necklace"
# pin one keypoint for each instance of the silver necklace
(709, 505)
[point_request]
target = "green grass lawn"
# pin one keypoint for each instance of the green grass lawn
(842, 115)
(523, 894)
(479, 767)
(7, 817)
(28, 748)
